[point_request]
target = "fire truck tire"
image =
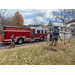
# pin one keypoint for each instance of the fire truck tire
(20, 41)
(42, 39)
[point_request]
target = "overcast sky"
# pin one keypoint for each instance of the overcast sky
(35, 15)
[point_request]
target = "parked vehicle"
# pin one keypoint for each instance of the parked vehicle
(22, 34)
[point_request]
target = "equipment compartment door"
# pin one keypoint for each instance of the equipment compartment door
(32, 34)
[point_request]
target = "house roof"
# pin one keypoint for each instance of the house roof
(25, 26)
(34, 25)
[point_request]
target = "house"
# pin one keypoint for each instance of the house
(50, 28)
(56, 27)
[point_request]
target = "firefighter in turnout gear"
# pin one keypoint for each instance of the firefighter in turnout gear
(12, 42)
(55, 37)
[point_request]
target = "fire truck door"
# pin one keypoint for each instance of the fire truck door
(32, 35)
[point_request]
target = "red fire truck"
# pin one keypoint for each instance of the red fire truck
(22, 34)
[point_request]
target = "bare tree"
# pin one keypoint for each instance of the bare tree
(5, 18)
(64, 15)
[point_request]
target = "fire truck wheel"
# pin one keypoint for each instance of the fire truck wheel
(20, 41)
(42, 39)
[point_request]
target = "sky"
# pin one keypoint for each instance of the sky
(31, 16)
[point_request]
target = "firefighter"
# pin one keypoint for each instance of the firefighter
(55, 36)
(12, 42)
(50, 37)
(72, 34)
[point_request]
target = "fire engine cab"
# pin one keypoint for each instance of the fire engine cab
(22, 34)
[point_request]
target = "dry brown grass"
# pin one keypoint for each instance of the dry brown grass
(40, 54)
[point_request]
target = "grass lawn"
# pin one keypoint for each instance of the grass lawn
(40, 54)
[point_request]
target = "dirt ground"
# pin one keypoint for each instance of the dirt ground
(52, 49)
(67, 45)
(60, 46)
